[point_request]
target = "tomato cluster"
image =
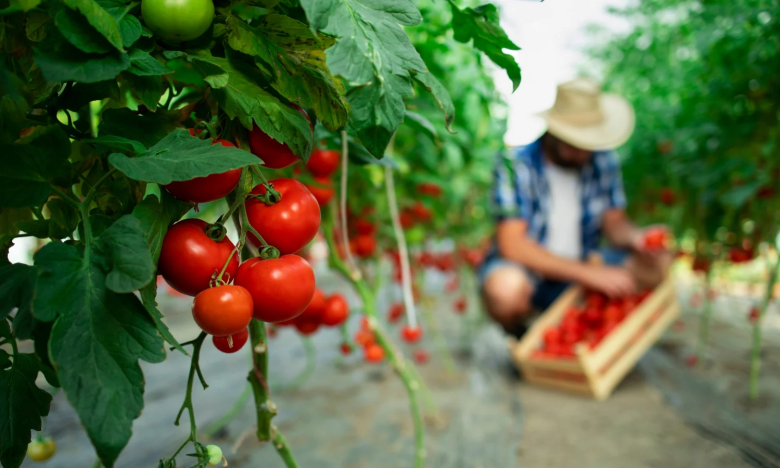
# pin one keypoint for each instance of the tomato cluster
(588, 323)
(323, 163)
(373, 352)
(275, 155)
(416, 213)
(330, 311)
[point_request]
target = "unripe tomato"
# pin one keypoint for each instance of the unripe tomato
(224, 310)
(236, 342)
(306, 327)
(365, 245)
(41, 449)
(315, 308)
(411, 334)
(215, 455)
(336, 311)
(323, 163)
(281, 288)
(189, 257)
(373, 353)
(323, 194)
(288, 225)
(205, 189)
(275, 155)
(178, 20)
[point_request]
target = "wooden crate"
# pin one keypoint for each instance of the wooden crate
(596, 372)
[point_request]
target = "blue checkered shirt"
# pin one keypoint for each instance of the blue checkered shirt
(521, 191)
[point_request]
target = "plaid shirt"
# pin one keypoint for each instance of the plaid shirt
(521, 191)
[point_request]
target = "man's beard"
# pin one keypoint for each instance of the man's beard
(555, 157)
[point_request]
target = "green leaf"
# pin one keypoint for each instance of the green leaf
(441, 95)
(38, 228)
(149, 299)
(79, 95)
(373, 54)
(155, 217)
(22, 5)
(118, 143)
(63, 218)
(17, 281)
(483, 26)
(243, 98)
(13, 118)
(77, 30)
(143, 64)
(129, 27)
(147, 128)
(60, 61)
(124, 245)
(421, 124)
(98, 339)
(23, 405)
(180, 156)
(28, 168)
(295, 58)
(148, 89)
(34, 26)
(100, 19)
(11, 221)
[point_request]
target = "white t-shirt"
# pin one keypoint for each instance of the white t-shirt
(564, 221)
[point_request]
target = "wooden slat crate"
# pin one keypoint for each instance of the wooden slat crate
(596, 372)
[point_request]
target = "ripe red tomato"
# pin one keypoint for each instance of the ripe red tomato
(701, 264)
(373, 353)
(364, 338)
(189, 257)
(336, 311)
(275, 155)
(552, 336)
(452, 285)
(288, 225)
(306, 327)
(421, 356)
(236, 342)
(395, 312)
(411, 334)
(205, 189)
(316, 307)
(460, 305)
(655, 238)
(421, 212)
(667, 196)
(754, 315)
(429, 188)
(740, 255)
(406, 219)
(346, 349)
(364, 226)
(365, 245)
(323, 163)
(323, 194)
(445, 262)
(224, 310)
(691, 360)
(281, 288)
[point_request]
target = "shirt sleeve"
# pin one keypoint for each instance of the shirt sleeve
(511, 192)
(616, 194)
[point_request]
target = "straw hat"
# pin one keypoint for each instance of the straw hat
(585, 117)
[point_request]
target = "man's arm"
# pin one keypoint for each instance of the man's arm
(620, 231)
(515, 245)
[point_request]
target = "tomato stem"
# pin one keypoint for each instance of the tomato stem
(343, 205)
(197, 344)
(258, 377)
(280, 444)
(755, 358)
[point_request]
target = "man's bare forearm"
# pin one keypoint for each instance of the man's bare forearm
(513, 244)
(619, 230)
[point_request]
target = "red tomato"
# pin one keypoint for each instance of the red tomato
(613, 314)
(452, 285)
(346, 349)
(411, 334)
(364, 226)
(323, 194)
(189, 257)
(281, 288)
(365, 245)
(445, 262)
(364, 338)
(421, 356)
(336, 311)
(316, 307)
(288, 225)
(236, 342)
(406, 219)
(692, 360)
(271, 331)
(306, 327)
(374, 353)
(323, 163)
(427, 259)
(740, 255)
(395, 312)
(754, 315)
(275, 155)
(655, 238)
(224, 310)
(429, 188)
(421, 212)
(701, 264)
(460, 305)
(667, 196)
(551, 337)
(205, 189)
(595, 300)
(765, 193)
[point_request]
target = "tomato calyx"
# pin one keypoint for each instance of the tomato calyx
(270, 197)
(216, 231)
(269, 252)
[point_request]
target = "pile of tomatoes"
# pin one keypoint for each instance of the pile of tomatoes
(587, 323)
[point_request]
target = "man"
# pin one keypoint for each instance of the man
(557, 199)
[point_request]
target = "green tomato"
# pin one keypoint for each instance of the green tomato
(215, 455)
(178, 20)
(41, 449)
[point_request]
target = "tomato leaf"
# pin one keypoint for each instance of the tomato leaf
(146, 128)
(143, 64)
(149, 299)
(60, 61)
(118, 143)
(156, 216)
(124, 245)
(295, 60)
(100, 19)
(374, 56)
(100, 335)
(28, 167)
(23, 406)
(63, 218)
(148, 89)
(482, 25)
(11, 221)
(180, 156)
(130, 28)
(241, 97)
(441, 95)
(80, 94)
(77, 30)
(16, 287)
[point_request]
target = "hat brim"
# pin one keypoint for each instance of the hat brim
(614, 130)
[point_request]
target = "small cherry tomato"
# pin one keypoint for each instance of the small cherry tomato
(280, 288)
(41, 449)
(373, 353)
(411, 334)
(429, 188)
(421, 356)
(189, 257)
(224, 310)
(421, 212)
(395, 312)
(288, 225)
(365, 245)
(215, 455)
(364, 338)
(323, 163)
(655, 239)
(323, 190)
(364, 226)
(336, 311)
(275, 155)
(346, 349)
(460, 305)
(667, 196)
(231, 343)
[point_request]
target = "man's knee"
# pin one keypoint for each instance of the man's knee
(508, 293)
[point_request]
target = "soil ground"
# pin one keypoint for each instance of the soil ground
(351, 415)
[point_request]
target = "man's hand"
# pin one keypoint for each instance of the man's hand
(612, 281)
